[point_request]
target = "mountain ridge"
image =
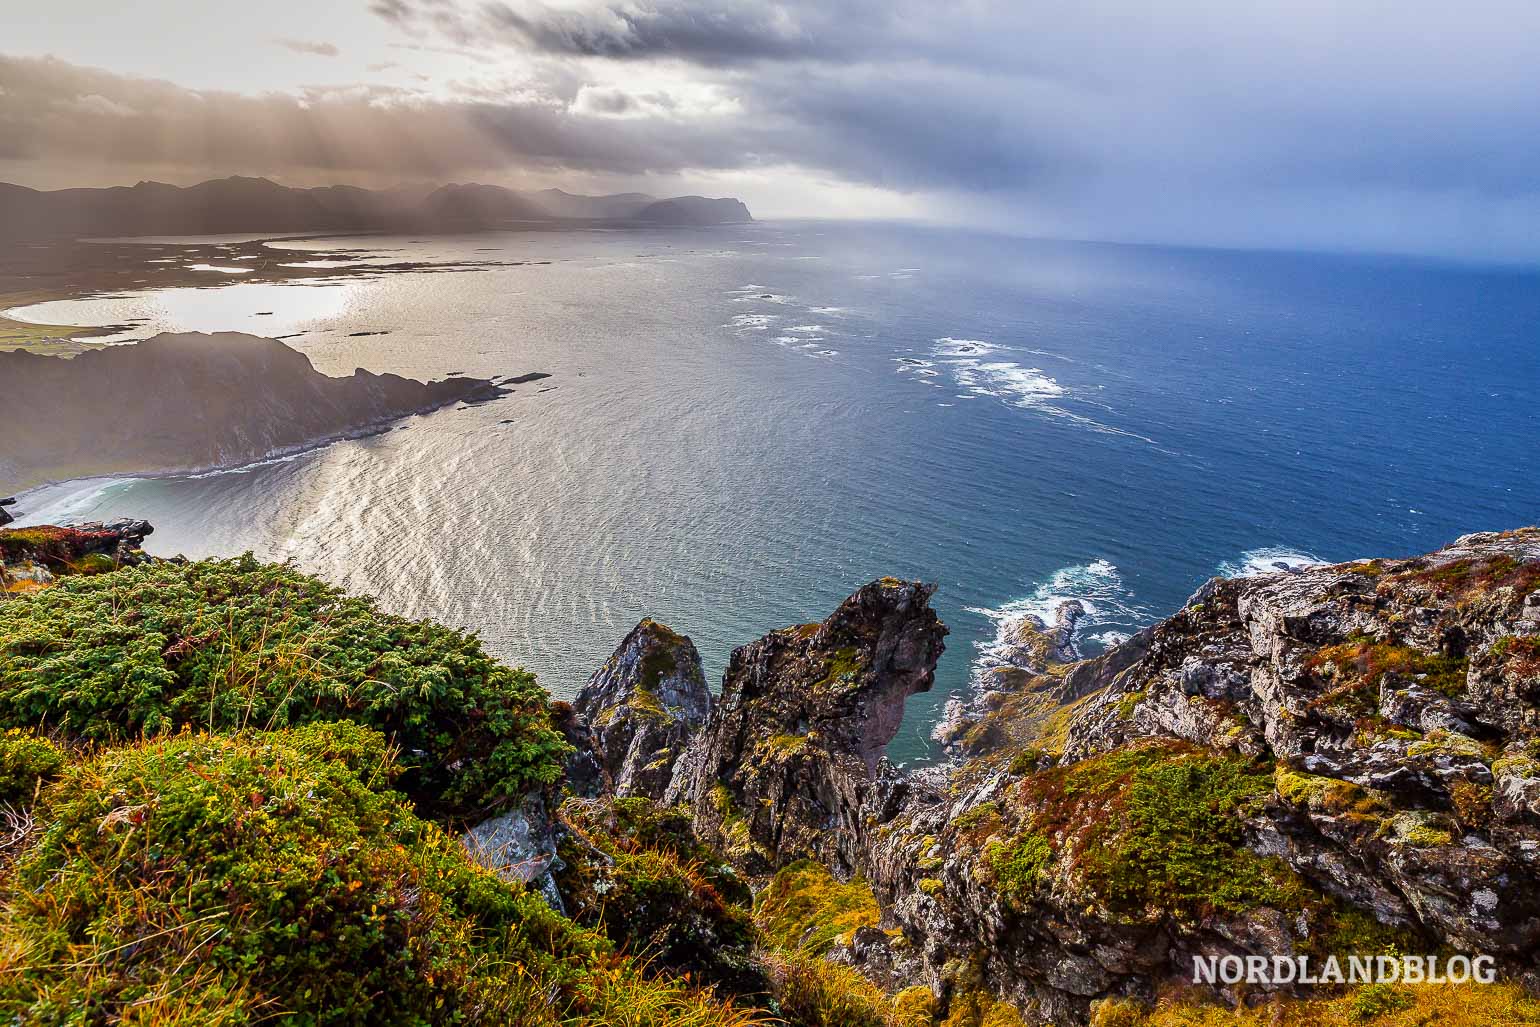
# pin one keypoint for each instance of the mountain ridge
(247, 204)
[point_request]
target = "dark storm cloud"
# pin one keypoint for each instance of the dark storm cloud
(1299, 121)
(722, 35)
(55, 113)
(986, 95)
(725, 33)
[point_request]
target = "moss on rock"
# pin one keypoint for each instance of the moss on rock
(27, 761)
(1156, 827)
(805, 906)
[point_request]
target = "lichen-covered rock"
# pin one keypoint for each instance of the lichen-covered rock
(640, 708)
(1334, 760)
(791, 752)
(519, 845)
(34, 557)
(1339, 761)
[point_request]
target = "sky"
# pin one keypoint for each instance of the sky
(1407, 126)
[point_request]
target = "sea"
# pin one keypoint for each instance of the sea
(745, 423)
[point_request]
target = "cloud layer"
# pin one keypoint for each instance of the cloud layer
(1405, 126)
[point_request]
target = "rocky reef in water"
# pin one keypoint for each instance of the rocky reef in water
(1336, 762)
(192, 402)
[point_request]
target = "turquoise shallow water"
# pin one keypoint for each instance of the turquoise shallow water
(744, 424)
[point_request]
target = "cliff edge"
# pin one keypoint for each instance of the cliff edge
(1317, 765)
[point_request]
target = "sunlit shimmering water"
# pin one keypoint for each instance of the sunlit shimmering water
(746, 423)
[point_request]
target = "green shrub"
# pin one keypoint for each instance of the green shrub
(255, 876)
(1018, 865)
(634, 871)
(1376, 1000)
(235, 644)
(1157, 827)
(26, 762)
(208, 881)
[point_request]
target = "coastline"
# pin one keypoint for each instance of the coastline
(282, 453)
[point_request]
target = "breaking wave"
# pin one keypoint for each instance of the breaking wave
(1269, 560)
(1111, 615)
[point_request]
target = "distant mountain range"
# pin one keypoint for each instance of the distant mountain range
(259, 205)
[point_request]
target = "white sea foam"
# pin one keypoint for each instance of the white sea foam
(1002, 379)
(68, 502)
(751, 322)
(1099, 589)
(950, 347)
(807, 329)
(1012, 382)
(1268, 560)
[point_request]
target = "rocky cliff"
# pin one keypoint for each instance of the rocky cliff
(793, 751)
(1341, 761)
(190, 402)
(32, 558)
(638, 710)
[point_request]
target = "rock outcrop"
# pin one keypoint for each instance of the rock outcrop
(34, 557)
(5, 515)
(520, 845)
(1325, 763)
(794, 748)
(638, 710)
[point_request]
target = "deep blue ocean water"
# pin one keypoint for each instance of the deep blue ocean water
(747, 423)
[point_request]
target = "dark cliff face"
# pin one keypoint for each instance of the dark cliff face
(189, 402)
(1338, 762)
(694, 210)
(792, 750)
(640, 708)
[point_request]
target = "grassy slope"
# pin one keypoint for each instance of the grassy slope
(228, 786)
